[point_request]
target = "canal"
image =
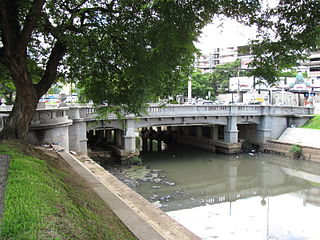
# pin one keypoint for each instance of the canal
(246, 196)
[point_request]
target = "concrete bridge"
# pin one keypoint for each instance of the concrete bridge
(211, 127)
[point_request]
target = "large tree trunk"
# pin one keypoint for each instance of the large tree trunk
(28, 93)
(15, 39)
(18, 122)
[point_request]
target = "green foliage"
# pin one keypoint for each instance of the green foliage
(285, 37)
(125, 53)
(55, 89)
(42, 202)
(313, 123)
(247, 146)
(295, 150)
(135, 161)
(220, 76)
(200, 84)
(216, 81)
(128, 52)
(7, 88)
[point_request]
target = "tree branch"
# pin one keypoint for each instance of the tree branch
(9, 26)
(50, 73)
(30, 22)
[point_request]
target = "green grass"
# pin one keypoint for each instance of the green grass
(45, 200)
(313, 123)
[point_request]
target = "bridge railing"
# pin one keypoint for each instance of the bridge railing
(214, 110)
(156, 110)
(48, 116)
(60, 115)
(290, 110)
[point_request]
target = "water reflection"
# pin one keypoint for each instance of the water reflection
(237, 197)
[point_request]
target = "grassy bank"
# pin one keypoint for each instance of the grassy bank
(313, 123)
(45, 200)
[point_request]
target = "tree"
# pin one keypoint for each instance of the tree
(7, 89)
(220, 76)
(125, 52)
(217, 81)
(287, 33)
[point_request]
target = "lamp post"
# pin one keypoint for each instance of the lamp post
(189, 90)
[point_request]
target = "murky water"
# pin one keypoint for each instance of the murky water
(248, 196)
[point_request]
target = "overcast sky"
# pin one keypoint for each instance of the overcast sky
(223, 34)
(228, 33)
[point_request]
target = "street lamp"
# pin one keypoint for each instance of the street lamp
(189, 89)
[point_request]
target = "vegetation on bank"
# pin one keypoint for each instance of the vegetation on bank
(313, 123)
(295, 150)
(44, 199)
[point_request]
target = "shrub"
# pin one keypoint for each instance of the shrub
(135, 161)
(247, 146)
(295, 150)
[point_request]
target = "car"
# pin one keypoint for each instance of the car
(71, 99)
(205, 102)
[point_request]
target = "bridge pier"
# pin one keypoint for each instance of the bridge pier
(198, 131)
(231, 130)
(129, 138)
(109, 136)
(263, 130)
(77, 131)
(118, 138)
(214, 132)
(159, 140)
(50, 126)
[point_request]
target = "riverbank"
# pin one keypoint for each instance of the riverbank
(313, 123)
(46, 199)
(303, 141)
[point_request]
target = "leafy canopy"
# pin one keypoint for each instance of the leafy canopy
(287, 33)
(216, 81)
(125, 52)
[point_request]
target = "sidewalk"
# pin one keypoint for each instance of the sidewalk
(145, 220)
(301, 136)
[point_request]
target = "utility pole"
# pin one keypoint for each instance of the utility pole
(189, 90)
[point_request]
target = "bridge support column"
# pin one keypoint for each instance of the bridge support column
(77, 131)
(231, 131)
(185, 130)
(109, 136)
(118, 137)
(159, 141)
(214, 132)
(198, 131)
(129, 138)
(263, 130)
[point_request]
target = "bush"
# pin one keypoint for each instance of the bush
(296, 151)
(135, 161)
(247, 146)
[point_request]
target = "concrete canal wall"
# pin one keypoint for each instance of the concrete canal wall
(145, 220)
(308, 139)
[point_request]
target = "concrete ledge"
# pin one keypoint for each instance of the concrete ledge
(211, 145)
(121, 153)
(50, 125)
(308, 153)
(145, 220)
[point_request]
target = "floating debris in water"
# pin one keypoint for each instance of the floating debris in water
(157, 204)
